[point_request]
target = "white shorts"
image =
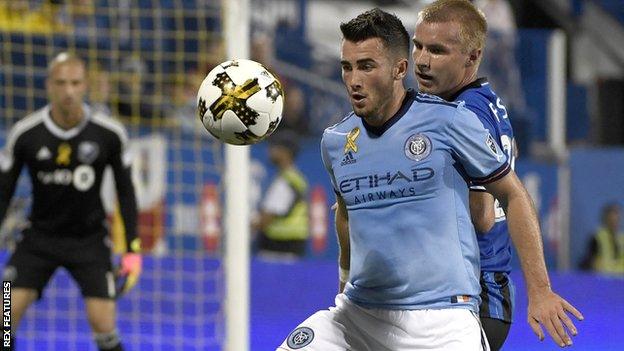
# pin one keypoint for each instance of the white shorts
(354, 328)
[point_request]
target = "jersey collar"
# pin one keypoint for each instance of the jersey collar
(65, 133)
(478, 83)
(405, 105)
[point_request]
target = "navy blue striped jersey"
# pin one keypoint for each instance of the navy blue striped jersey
(405, 187)
(495, 246)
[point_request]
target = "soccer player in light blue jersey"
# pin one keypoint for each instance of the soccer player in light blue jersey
(448, 45)
(400, 164)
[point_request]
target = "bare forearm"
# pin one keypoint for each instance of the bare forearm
(525, 233)
(344, 253)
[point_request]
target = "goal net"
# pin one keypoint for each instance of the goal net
(145, 60)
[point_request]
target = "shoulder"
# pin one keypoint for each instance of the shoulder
(110, 125)
(436, 106)
(26, 124)
(445, 112)
(433, 100)
(340, 129)
(348, 120)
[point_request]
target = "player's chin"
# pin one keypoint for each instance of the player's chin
(359, 108)
(361, 111)
(426, 87)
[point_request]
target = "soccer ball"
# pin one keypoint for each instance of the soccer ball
(240, 102)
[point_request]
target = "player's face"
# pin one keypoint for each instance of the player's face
(441, 65)
(367, 68)
(67, 86)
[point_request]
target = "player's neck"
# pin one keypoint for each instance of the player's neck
(468, 79)
(66, 120)
(391, 109)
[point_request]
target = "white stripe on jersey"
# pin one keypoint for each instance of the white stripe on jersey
(117, 128)
(19, 128)
(60, 132)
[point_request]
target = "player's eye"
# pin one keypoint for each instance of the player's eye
(367, 66)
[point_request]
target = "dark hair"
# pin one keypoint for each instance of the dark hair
(377, 23)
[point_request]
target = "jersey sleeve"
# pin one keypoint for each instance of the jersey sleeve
(476, 149)
(11, 163)
(483, 115)
(327, 162)
(121, 164)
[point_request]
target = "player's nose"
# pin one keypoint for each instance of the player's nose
(421, 60)
(355, 82)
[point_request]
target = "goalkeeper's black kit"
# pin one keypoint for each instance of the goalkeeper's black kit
(67, 220)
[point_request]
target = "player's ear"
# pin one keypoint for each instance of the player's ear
(400, 69)
(474, 57)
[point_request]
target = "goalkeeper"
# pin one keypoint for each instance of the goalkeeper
(66, 148)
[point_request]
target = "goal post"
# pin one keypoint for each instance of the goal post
(237, 211)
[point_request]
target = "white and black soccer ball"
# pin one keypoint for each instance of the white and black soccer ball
(240, 102)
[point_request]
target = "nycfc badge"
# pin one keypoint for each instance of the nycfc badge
(417, 147)
(300, 337)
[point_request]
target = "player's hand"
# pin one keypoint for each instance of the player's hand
(129, 272)
(550, 310)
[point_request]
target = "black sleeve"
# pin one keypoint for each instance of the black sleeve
(10, 167)
(122, 167)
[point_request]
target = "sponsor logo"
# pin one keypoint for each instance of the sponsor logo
(82, 178)
(492, 144)
(376, 180)
(44, 154)
(348, 159)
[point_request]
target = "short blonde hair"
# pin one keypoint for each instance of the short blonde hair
(473, 25)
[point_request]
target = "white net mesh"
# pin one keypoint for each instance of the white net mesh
(145, 59)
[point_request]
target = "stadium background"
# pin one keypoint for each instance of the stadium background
(146, 59)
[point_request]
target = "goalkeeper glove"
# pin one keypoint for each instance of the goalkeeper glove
(129, 271)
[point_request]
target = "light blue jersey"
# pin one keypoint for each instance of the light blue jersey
(405, 186)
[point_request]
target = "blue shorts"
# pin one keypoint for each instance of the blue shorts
(497, 296)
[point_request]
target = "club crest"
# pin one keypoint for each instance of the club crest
(300, 338)
(88, 152)
(418, 147)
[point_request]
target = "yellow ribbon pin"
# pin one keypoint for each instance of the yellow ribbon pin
(64, 154)
(350, 144)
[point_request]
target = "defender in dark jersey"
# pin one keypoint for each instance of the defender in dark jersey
(65, 149)
(448, 44)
